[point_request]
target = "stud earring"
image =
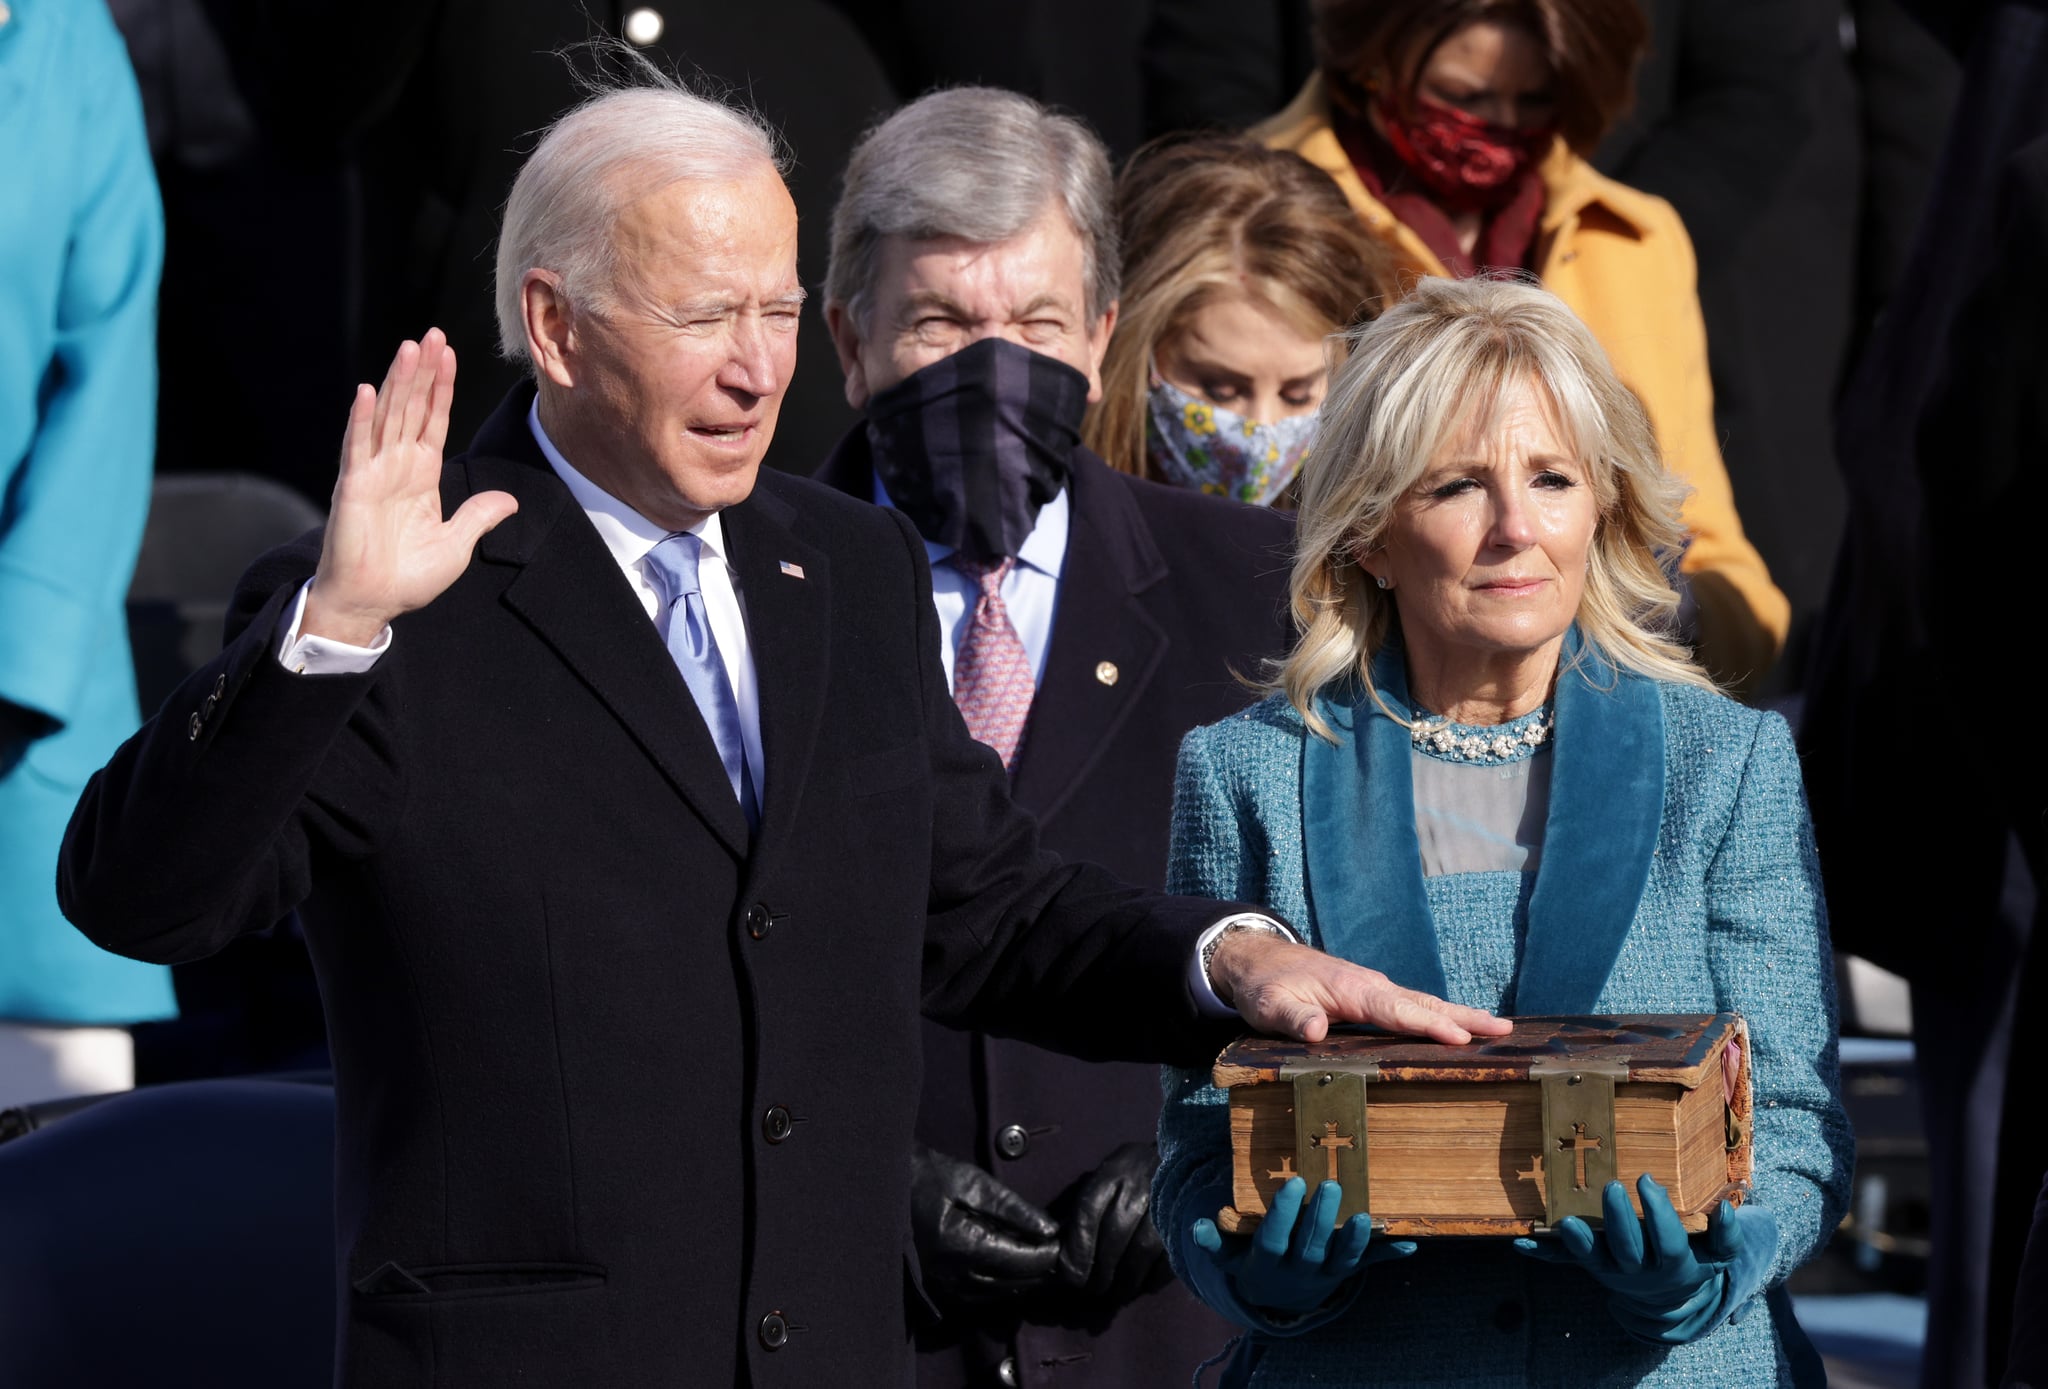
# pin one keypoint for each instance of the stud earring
(1383, 581)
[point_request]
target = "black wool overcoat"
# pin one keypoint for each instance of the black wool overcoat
(624, 1098)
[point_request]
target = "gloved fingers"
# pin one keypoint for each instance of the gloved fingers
(1122, 1219)
(1312, 1232)
(1349, 1246)
(1622, 1233)
(1552, 1253)
(1577, 1238)
(1269, 1244)
(1384, 1251)
(1724, 1236)
(1207, 1237)
(1669, 1245)
(1081, 1251)
(981, 1248)
(996, 1204)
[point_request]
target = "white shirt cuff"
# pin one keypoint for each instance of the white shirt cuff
(1204, 993)
(323, 655)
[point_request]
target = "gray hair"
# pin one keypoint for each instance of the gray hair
(978, 163)
(618, 146)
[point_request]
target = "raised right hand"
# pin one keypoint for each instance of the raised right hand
(388, 551)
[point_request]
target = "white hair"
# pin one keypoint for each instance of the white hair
(978, 163)
(615, 148)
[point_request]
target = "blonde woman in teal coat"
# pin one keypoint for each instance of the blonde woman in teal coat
(1486, 772)
(81, 242)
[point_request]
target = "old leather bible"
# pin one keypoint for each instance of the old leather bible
(1505, 1136)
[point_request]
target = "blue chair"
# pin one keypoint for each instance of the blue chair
(181, 1235)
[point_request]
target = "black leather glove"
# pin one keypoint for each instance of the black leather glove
(1110, 1251)
(980, 1243)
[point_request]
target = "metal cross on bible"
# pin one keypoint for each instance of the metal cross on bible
(1580, 1145)
(1329, 1140)
(1286, 1170)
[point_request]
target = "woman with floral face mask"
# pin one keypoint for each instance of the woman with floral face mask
(1458, 130)
(1240, 263)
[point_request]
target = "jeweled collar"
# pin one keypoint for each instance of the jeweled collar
(1489, 745)
(1366, 891)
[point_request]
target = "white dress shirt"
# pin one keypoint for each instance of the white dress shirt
(629, 537)
(1031, 590)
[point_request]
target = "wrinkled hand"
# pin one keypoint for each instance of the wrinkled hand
(1110, 1251)
(979, 1242)
(387, 550)
(1290, 990)
(1659, 1288)
(1291, 1264)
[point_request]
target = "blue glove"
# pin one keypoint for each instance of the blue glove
(1282, 1278)
(1659, 1288)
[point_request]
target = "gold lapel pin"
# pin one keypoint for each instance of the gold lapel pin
(1106, 672)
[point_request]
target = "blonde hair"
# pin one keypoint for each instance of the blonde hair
(1207, 214)
(1433, 366)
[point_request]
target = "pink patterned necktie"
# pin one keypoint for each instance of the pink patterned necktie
(992, 673)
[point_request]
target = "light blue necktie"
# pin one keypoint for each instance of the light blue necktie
(695, 651)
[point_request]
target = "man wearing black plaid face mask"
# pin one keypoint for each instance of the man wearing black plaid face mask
(1088, 621)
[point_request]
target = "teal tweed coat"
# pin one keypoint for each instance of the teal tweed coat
(81, 242)
(1678, 875)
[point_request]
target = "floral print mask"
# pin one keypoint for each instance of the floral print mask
(1220, 452)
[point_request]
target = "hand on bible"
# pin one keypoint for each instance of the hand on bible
(978, 1242)
(1291, 1264)
(1109, 1249)
(1291, 990)
(1660, 1289)
(387, 549)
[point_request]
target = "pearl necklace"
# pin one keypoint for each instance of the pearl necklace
(1509, 742)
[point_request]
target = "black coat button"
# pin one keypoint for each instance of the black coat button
(776, 1124)
(773, 1331)
(1011, 1140)
(759, 922)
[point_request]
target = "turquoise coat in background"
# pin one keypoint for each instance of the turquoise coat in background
(81, 247)
(1677, 876)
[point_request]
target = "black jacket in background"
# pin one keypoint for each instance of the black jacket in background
(622, 1097)
(1179, 594)
(440, 101)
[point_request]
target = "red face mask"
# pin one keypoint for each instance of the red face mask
(1469, 165)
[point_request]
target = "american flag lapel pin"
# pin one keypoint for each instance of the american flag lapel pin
(795, 571)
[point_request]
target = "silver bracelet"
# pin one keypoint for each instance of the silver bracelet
(1243, 923)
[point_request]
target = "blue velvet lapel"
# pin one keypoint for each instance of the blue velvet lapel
(1364, 863)
(1606, 804)
(1358, 828)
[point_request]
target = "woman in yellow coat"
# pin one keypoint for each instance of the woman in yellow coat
(1457, 128)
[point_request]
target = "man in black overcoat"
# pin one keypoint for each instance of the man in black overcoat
(1137, 606)
(633, 827)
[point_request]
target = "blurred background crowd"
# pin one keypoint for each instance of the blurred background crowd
(1809, 233)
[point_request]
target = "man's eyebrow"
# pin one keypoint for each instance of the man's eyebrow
(920, 300)
(1041, 304)
(720, 306)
